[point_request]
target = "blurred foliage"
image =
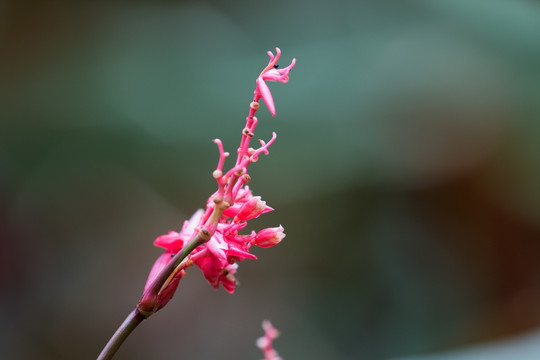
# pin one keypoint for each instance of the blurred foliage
(405, 173)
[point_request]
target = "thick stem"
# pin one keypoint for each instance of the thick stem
(131, 322)
(148, 303)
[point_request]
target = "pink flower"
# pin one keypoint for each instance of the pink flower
(269, 237)
(217, 270)
(226, 247)
(272, 73)
(217, 260)
(265, 343)
(243, 196)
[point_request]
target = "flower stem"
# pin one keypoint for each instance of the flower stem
(131, 322)
(149, 302)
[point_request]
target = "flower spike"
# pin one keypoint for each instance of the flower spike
(211, 238)
(227, 210)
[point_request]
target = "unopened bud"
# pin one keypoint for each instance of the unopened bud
(254, 105)
(251, 209)
(269, 237)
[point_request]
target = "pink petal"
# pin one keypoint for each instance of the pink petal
(167, 294)
(160, 263)
(171, 241)
(266, 95)
(217, 247)
(272, 75)
(252, 209)
(228, 283)
(233, 210)
(211, 269)
(237, 252)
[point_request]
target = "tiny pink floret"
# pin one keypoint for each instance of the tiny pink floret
(252, 209)
(265, 343)
(269, 237)
(272, 73)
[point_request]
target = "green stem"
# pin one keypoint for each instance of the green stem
(131, 322)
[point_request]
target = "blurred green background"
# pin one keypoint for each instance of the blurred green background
(406, 174)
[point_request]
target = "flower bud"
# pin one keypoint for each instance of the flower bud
(269, 237)
(252, 209)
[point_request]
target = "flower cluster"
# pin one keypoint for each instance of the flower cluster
(215, 230)
(265, 342)
(218, 257)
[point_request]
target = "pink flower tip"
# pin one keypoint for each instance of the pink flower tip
(269, 237)
(252, 209)
(272, 73)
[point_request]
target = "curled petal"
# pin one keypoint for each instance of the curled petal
(275, 75)
(273, 60)
(288, 68)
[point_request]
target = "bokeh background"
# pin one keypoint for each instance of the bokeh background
(406, 174)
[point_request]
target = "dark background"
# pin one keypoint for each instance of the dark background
(406, 174)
